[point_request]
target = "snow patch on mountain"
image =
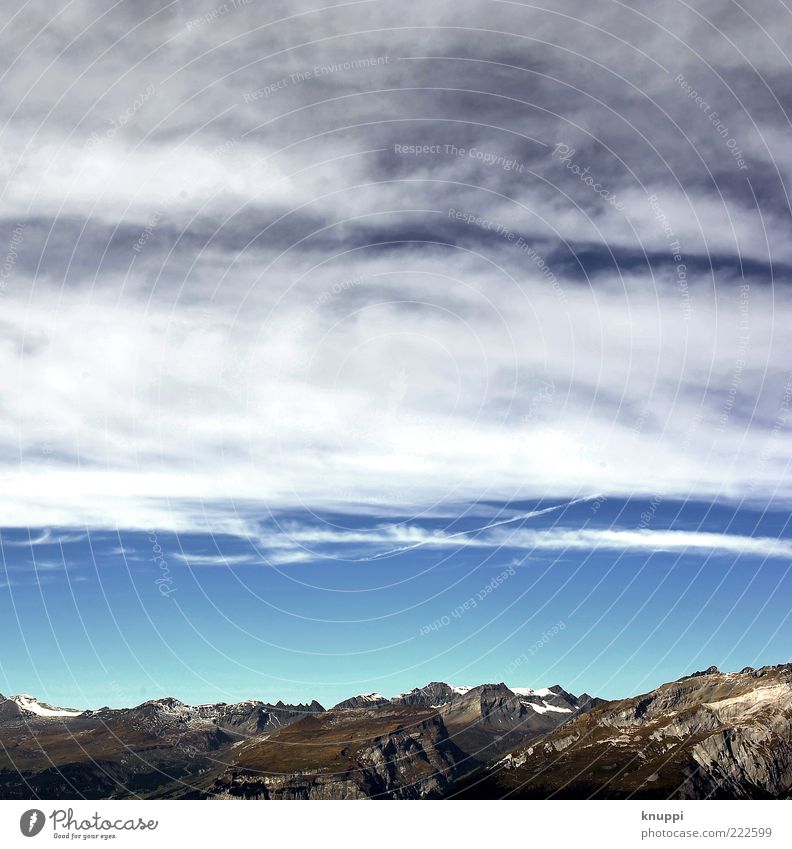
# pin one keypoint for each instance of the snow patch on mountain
(545, 708)
(528, 691)
(33, 705)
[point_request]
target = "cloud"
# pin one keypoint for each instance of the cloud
(425, 402)
(299, 543)
(235, 293)
(115, 183)
(46, 537)
(689, 542)
(216, 559)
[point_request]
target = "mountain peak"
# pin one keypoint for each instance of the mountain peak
(710, 670)
(362, 701)
(31, 704)
(717, 735)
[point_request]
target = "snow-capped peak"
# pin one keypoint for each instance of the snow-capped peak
(33, 705)
(542, 692)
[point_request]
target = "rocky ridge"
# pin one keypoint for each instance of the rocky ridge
(707, 735)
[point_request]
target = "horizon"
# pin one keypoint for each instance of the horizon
(274, 702)
(561, 592)
(353, 347)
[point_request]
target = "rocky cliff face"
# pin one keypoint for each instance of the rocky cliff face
(432, 695)
(412, 746)
(415, 745)
(508, 718)
(114, 753)
(256, 717)
(710, 735)
(490, 719)
(366, 701)
(394, 752)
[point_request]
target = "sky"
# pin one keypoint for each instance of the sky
(352, 346)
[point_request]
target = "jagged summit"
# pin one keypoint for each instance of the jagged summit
(362, 701)
(710, 670)
(708, 735)
(713, 735)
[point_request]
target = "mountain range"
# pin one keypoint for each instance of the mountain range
(708, 735)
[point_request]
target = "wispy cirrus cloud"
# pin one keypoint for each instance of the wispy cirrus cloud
(306, 543)
(646, 540)
(46, 537)
(216, 559)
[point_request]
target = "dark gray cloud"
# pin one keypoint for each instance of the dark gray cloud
(303, 250)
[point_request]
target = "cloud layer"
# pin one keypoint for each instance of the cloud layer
(362, 259)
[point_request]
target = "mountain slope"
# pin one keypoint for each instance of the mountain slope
(114, 753)
(31, 705)
(363, 701)
(709, 735)
(390, 751)
(415, 745)
(432, 695)
(488, 720)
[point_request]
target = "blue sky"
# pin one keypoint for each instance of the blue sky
(603, 620)
(316, 322)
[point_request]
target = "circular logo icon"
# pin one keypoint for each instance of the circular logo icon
(31, 822)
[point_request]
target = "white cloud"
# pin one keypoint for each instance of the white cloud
(200, 387)
(135, 416)
(46, 537)
(216, 559)
(116, 182)
(559, 539)
(306, 543)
